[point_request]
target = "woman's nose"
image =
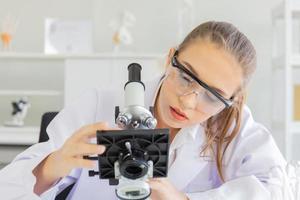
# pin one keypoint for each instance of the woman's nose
(189, 100)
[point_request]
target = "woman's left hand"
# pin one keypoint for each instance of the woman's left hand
(162, 189)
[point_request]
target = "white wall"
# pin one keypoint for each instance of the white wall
(155, 30)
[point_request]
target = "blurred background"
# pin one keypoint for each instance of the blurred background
(51, 51)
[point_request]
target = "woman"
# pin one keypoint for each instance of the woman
(217, 152)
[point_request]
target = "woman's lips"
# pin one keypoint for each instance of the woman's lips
(177, 114)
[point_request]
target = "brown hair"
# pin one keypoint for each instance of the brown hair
(221, 128)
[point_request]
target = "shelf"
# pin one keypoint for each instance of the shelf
(295, 128)
(19, 135)
(30, 93)
(296, 60)
(109, 55)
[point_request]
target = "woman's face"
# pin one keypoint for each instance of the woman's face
(212, 65)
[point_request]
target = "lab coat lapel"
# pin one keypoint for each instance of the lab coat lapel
(188, 162)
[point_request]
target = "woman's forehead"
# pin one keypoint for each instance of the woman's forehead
(213, 65)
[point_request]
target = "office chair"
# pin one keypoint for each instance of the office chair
(46, 119)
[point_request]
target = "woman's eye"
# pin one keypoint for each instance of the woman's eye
(211, 97)
(186, 77)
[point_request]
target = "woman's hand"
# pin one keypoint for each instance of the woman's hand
(162, 189)
(60, 163)
(70, 155)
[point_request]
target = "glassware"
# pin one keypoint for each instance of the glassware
(293, 172)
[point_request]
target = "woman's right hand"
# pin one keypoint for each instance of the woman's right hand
(60, 163)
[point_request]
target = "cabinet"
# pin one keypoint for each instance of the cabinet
(52, 81)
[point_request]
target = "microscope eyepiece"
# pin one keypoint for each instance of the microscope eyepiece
(134, 72)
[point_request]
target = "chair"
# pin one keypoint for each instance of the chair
(46, 119)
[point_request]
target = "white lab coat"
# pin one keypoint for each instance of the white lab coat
(253, 165)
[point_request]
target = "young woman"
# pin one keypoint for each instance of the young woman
(217, 152)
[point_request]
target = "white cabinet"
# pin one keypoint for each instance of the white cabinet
(51, 81)
(40, 79)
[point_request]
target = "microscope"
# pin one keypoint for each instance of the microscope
(138, 151)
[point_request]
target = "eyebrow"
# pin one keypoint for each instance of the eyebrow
(189, 66)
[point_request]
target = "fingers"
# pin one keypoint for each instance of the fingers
(88, 149)
(79, 145)
(83, 163)
(157, 183)
(90, 130)
(107, 129)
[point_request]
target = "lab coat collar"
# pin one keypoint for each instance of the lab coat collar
(186, 135)
(188, 163)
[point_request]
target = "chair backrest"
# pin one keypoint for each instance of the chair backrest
(46, 119)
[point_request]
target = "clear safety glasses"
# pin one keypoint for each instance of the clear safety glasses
(207, 99)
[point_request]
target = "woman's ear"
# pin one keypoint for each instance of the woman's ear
(240, 96)
(170, 55)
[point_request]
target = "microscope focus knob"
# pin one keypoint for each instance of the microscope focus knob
(150, 122)
(122, 121)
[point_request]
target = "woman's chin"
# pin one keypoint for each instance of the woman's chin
(174, 123)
